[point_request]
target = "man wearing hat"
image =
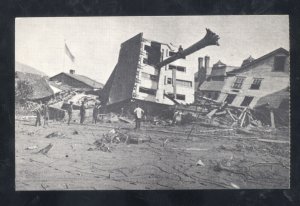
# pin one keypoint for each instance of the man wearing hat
(70, 111)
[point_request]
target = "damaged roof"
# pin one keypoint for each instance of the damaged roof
(212, 86)
(84, 79)
(40, 85)
(255, 61)
(276, 99)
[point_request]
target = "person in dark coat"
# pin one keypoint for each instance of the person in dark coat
(38, 112)
(82, 113)
(96, 112)
(46, 113)
(70, 112)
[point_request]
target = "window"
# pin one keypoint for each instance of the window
(181, 69)
(184, 83)
(180, 96)
(154, 77)
(279, 62)
(172, 53)
(169, 81)
(147, 48)
(149, 76)
(230, 97)
(147, 91)
(172, 67)
(145, 61)
(247, 100)
(256, 83)
(238, 82)
(145, 75)
(178, 68)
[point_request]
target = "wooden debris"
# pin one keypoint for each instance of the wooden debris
(124, 119)
(46, 149)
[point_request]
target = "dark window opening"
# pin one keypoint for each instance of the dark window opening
(154, 77)
(172, 67)
(147, 48)
(180, 96)
(147, 91)
(169, 81)
(247, 100)
(178, 68)
(238, 82)
(172, 53)
(145, 61)
(183, 83)
(215, 95)
(279, 62)
(181, 69)
(256, 84)
(230, 97)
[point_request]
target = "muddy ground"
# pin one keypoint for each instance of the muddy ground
(169, 161)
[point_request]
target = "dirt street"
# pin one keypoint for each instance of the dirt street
(169, 161)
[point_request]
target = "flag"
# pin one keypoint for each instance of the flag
(68, 53)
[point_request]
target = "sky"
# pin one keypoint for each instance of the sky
(95, 41)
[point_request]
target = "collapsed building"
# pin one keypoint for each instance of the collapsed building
(152, 73)
(245, 85)
(252, 85)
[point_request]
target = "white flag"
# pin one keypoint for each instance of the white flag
(68, 53)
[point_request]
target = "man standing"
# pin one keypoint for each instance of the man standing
(82, 112)
(96, 112)
(70, 111)
(38, 112)
(46, 113)
(138, 116)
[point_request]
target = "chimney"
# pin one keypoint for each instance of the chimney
(206, 62)
(200, 66)
(201, 70)
(72, 71)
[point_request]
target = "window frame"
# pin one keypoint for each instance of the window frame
(256, 85)
(238, 84)
(245, 100)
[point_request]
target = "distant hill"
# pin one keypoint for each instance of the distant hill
(27, 69)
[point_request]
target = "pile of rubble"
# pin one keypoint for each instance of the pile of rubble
(115, 136)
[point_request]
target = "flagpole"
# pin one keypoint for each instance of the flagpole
(64, 54)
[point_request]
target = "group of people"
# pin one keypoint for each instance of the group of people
(82, 112)
(42, 110)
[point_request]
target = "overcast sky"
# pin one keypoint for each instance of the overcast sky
(95, 41)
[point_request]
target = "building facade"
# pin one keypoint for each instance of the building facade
(135, 76)
(253, 80)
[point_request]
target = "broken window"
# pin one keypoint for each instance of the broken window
(279, 62)
(256, 83)
(230, 97)
(154, 77)
(145, 61)
(238, 82)
(247, 100)
(184, 83)
(169, 81)
(147, 91)
(181, 69)
(180, 96)
(178, 68)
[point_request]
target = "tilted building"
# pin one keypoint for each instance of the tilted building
(135, 77)
(248, 84)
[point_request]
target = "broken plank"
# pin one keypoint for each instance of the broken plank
(274, 141)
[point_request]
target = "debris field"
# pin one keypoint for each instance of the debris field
(110, 156)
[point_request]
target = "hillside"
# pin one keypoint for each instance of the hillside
(27, 69)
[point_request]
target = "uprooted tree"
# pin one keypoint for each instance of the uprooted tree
(23, 89)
